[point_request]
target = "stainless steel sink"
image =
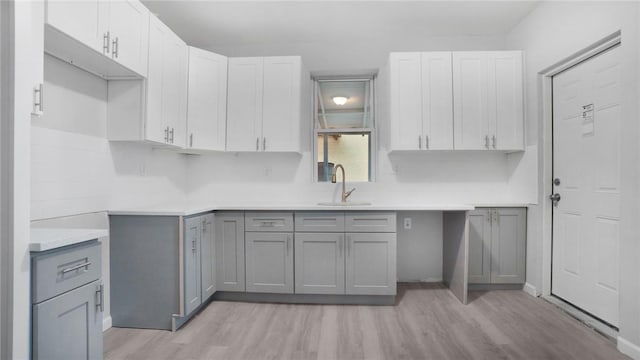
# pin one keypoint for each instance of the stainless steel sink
(348, 203)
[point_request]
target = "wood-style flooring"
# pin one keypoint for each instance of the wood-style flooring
(427, 322)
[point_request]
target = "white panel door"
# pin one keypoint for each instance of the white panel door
(406, 101)
(244, 104)
(480, 221)
(281, 103)
(155, 128)
(586, 160)
(371, 264)
(129, 34)
(80, 20)
(319, 267)
(504, 99)
(470, 112)
(269, 262)
(174, 87)
(437, 101)
(207, 100)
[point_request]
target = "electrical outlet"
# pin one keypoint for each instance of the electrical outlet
(407, 223)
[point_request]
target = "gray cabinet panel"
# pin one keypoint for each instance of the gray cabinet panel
(320, 263)
(269, 262)
(371, 263)
(229, 251)
(69, 326)
(61, 270)
(207, 257)
(269, 221)
(480, 246)
(319, 221)
(191, 248)
(370, 221)
(508, 243)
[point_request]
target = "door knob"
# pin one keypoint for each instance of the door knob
(555, 197)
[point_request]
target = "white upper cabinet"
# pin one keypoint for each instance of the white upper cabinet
(106, 37)
(207, 100)
(421, 108)
(265, 104)
(155, 109)
(487, 97)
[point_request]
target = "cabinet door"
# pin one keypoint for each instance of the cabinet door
(244, 104)
(129, 32)
(191, 251)
(281, 114)
(269, 262)
(480, 246)
(405, 101)
(79, 20)
(206, 100)
(437, 101)
(69, 326)
(229, 251)
(207, 257)
(320, 263)
(508, 243)
(174, 87)
(470, 114)
(371, 264)
(506, 119)
(155, 128)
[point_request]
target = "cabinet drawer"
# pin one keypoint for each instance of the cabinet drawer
(56, 272)
(316, 221)
(268, 221)
(370, 221)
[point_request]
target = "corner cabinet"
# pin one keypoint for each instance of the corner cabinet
(488, 100)
(421, 108)
(497, 245)
(267, 100)
(155, 109)
(206, 101)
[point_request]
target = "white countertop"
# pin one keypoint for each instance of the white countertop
(191, 209)
(43, 239)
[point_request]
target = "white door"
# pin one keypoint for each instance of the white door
(470, 112)
(437, 101)
(586, 162)
(129, 27)
(79, 19)
(155, 128)
(281, 103)
(174, 87)
(406, 102)
(244, 104)
(504, 99)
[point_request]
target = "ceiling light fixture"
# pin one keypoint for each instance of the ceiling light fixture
(340, 100)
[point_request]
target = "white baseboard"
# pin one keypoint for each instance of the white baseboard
(628, 348)
(530, 289)
(106, 323)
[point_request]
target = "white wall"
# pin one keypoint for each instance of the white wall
(551, 33)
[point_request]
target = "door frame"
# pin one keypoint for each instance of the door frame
(545, 138)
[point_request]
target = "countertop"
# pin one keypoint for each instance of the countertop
(43, 239)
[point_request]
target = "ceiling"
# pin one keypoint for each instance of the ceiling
(322, 31)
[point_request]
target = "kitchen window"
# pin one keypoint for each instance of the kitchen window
(344, 128)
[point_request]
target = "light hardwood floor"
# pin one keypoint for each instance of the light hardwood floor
(427, 322)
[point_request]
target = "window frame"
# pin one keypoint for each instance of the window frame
(371, 130)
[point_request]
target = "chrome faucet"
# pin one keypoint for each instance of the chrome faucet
(345, 194)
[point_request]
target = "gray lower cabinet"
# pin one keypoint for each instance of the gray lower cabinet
(229, 250)
(269, 262)
(320, 262)
(67, 303)
(497, 245)
(371, 264)
(199, 270)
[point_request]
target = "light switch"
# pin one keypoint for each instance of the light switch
(407, 223)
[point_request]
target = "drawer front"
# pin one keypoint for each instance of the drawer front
(319, 221)
(370, 221)
(268, 221)
(56, 272)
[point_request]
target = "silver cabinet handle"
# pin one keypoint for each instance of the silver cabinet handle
(38, 97)
(288, 243)
(419, 142)
(166, 134)
(257, 143)
(100, 298)
(171, 133)
(264, 143)
(497, 220)
(105, 42)
(426, 142)
(193, 245)
(341, 244)
(486, 141)
(489, 216)
(191, 140)
(74, 268)
(348, 246)
(493, 141)
(114, 49)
